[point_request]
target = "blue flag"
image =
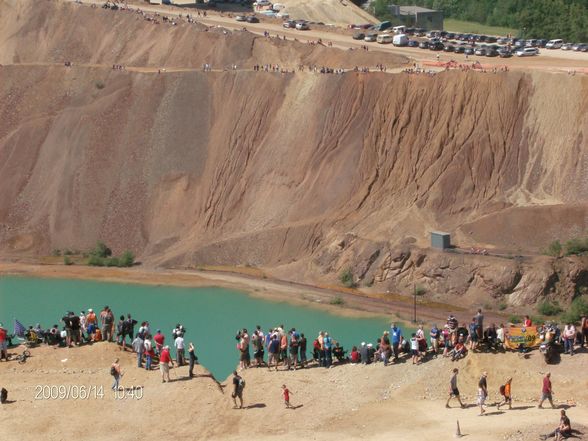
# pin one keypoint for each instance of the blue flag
(19, 329)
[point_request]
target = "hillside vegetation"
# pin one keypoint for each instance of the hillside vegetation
(567, 19)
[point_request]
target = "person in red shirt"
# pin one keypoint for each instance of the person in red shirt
(527, 322)
(546, 391)
(355, 355)
(159, 339)
(286, 394)
(3, 343)
(164, 362)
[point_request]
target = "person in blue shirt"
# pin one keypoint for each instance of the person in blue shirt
(435, 334)
(396, 339)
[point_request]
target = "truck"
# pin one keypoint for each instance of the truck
(400, 40)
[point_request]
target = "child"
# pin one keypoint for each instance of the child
(286, 394)
(506, 393)
(414, 348)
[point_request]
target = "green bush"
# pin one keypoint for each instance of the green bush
(67, 252)
(549, 309)
(576, 246)
(502, 306)
(100, 85)
(112, 261)
(127, 259)
(56, 252)
(420, 290)
(101, 250)
(95, 261)
(67, 260)
(338, 300)
(554, 249)
(514, 319)
(346, 279)
(577, 309)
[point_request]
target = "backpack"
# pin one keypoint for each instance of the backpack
(241, 383)
(3, 396)
(112, 371)
(502, 389)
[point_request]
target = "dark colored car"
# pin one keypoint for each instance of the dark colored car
(450, 36)
(460, 49)
(582, 47)
(420, 32)
(504, 53)
(481, 51)
(409, 31)
(356, 36)
(491, 52)
(252, 19)
(490, 39)
(449, 48)
(437, 46)
(469, 51)
(413, 43)
(290, 24)
(519, 43)
(482, 38)
(424, 45)
(542, 43)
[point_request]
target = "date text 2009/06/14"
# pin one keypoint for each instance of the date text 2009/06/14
(84, 392)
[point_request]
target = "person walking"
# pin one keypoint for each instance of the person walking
(139, 347)
(286, 393)
(192, 359)
(238, 386)
(179, 344)
(164, 362)
(546, 391)
(482, 392)
(453, 390)
(116, 373)
(505, 391)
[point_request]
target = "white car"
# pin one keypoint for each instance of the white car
(263, 3)
(302, 26)
(554, 44)
(527, 52)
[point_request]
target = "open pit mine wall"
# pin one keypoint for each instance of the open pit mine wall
(262, 169)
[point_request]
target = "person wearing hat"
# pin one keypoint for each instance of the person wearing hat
(482, 392)
(3, 343)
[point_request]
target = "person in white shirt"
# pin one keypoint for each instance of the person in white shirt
(569, 336)
(179, 344)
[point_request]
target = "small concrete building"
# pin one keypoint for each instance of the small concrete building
(415, 16)
(440, 240)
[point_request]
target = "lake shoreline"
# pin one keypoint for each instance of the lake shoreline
(342, 303)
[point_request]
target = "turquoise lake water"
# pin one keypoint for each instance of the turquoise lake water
(211, 316)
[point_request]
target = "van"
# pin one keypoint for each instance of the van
(527, 52)
(400, 40)
(383, 26)
(554, 44)
(399, 29)
(385, 38)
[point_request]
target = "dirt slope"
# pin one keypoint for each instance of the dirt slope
(340, 12)
(303, 173)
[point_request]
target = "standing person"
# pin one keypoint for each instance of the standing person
(302, 347)
(149, 353)
(273, 350)
(569, 335)
(321, 348)
(546, 391)
(120, 326)
(128, 329)
(500, 336)
(453, 390)
(506, 393)
(164, 362)
(139, 346)
(238, 386)
(584, 329)
(284, 349)
(116, 373)
(328, 345)
(482, 392)
(75, 328)
(473, 337)
(66, 319)
(193, 359)
(3, 343)
(480, 324)
(435, 334)
(527, 322)
(91, 324)
(286, 393)
(564, 429)
(294, 340)
(179, 344)
(82, 325)
(103, 329)
(159, 339)
(108, 329)
(396, 337)
(414, 349)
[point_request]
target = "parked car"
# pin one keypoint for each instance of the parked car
(289, 24)
(370, 38)
(481, 51)
(252, 19)
(409, 31)
(469, 51)
(358, 36)
(554, 44)
(527, 52)
(504, 52)
(424, 45)
(436, 46)
(567, 46)
(420, 32)
(460, 49)
(400, 40)
(449, 48)
(542, 42)
(302, 26)
(502, 40)
(491, 52)
(413, 43)
(241, 18)
(531, 43)
(581, 47)
(385, 38)
(491, 39)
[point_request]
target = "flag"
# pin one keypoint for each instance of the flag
(19, 329)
